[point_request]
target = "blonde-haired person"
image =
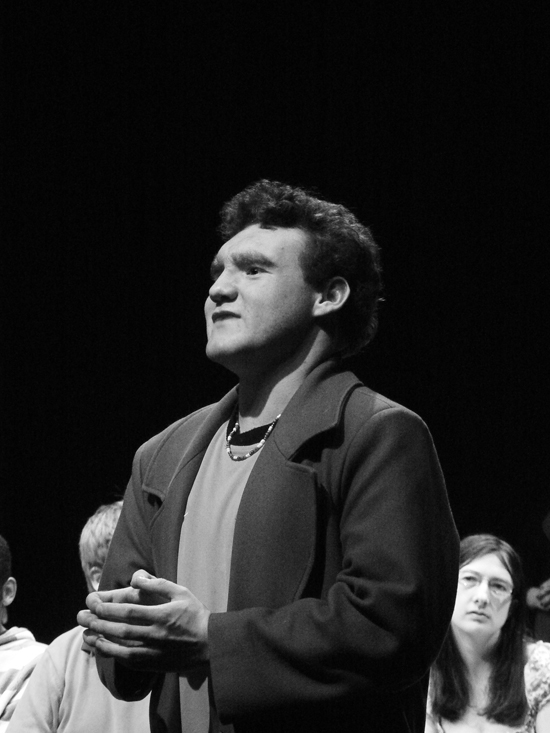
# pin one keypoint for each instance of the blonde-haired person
(95, 539)
(65, 692)
(489, 677)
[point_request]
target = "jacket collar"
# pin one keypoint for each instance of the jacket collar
(315, 407)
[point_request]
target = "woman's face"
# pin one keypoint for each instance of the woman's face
(483, 598)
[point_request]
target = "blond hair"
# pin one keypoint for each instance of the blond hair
(96, 536)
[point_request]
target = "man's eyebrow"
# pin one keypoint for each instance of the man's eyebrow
(245, 259)
(242, 260)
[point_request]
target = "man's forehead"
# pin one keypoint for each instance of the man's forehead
(257, 239)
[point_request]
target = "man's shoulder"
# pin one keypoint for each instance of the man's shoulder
(333, 399)
(368, 414)
(331, 388)
(185, 437)
(178, 429)
(365, 404)
(178, 432)
(368, 402)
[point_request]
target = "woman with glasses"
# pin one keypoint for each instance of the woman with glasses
(488, 678)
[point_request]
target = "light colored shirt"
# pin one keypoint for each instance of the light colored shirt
(204, 559)
(65, 695)
(19, 653)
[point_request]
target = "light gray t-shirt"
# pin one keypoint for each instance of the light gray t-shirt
(204, 558)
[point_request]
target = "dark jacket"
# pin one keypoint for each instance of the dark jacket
(343, 570)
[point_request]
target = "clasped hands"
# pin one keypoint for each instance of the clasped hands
(153, 625)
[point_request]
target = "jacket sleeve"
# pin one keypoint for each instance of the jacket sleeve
(131, 548)
(129, 551)
(381, 623)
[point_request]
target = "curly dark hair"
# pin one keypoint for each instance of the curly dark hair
(450, 688)
(5, 561)
(337, 245)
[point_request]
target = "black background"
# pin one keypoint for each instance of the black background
(123, 132)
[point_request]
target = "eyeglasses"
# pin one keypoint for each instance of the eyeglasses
(499, 589)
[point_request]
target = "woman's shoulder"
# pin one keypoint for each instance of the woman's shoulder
(538, 655)
(537, 675)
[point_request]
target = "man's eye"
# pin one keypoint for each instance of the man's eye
(253, 271)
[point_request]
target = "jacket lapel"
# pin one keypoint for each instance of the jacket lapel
(172, 479)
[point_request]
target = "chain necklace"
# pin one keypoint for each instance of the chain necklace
(252, 450)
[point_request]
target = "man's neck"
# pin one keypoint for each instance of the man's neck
(264, 396)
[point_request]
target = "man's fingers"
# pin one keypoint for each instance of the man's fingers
(141, 574)
(84, 618)
(121, 595)
(122, 633)
(163, 589)
(136, 656)
(149, 658)
(89, 639)
(129, 613)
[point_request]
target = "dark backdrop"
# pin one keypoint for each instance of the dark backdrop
(123, 133)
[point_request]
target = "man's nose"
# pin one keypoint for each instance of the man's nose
(223, 288)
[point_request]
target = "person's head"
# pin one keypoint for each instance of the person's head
(490, 589)
(8, 584)
(490, 611)
(331, 252)
(95, 539)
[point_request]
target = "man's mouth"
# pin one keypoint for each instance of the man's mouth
(222, 315)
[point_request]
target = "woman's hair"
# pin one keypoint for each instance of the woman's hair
(450, 689)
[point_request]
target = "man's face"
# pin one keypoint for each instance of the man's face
(259, 308)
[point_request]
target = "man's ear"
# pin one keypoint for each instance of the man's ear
(94, 576)
(333, 296)
(9, 590)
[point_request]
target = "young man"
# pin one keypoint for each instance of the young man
(286, 559)
(19, 652)
(64, 692)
